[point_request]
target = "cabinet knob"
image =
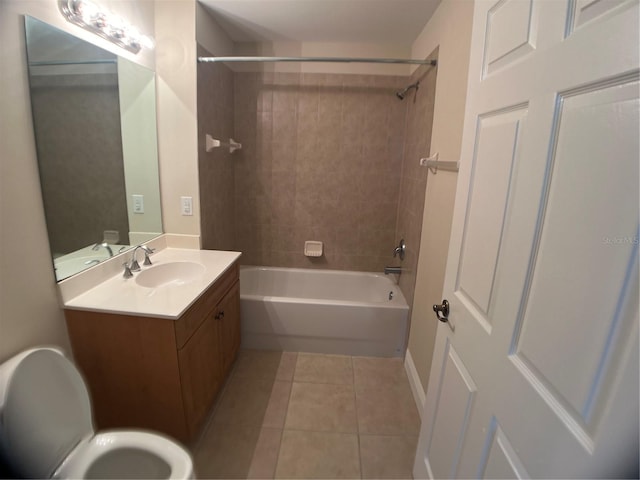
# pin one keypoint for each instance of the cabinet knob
(219, 315)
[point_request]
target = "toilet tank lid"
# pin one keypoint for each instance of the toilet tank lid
(46, 413)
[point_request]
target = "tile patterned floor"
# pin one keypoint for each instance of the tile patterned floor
(301, 415)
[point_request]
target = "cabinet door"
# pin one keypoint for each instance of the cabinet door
(228, 314)
(200, 372)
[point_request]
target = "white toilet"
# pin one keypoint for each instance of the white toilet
(46, 429)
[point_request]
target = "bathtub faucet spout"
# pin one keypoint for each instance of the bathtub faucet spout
(394, 270)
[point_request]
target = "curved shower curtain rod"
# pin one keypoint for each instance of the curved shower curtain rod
(433, 63)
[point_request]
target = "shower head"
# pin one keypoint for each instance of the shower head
(403, 93)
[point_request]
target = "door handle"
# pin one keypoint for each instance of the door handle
(442, 313)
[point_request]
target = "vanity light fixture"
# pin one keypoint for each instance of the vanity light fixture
(93, 18)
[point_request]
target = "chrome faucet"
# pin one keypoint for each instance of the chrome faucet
(135, 266)
(105, 245)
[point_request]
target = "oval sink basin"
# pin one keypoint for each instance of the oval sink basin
(173, 273)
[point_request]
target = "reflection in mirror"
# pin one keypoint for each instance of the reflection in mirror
(94, 120)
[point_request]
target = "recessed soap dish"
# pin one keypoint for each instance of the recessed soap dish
(312, 248)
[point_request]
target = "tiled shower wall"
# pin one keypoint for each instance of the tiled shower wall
(77, 129)
(414, 177)
(321, 160)
(325, 157)
(216, 168)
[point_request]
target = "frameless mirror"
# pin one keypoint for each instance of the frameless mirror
(94, 119)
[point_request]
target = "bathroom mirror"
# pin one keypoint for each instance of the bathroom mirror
(94, 119)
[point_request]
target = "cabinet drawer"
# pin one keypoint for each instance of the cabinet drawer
(195, 315)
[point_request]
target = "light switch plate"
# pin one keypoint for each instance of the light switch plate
(138, 203)
(186, 205)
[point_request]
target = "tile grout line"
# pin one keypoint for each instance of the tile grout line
(355, 401)
(284, 423)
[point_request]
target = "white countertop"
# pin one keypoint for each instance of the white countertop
(125, 296)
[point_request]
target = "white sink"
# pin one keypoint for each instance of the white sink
(172, 273)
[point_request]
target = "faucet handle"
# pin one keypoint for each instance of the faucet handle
(400, 249)
(147, 251)
(127, 271)
(135, 266)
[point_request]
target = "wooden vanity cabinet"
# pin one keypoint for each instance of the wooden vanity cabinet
(156, 373)
(229, 313)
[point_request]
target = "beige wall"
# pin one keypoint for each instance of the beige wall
(177, 113)
(450, 30)
(29, 310)
(137, 91)
(210, 35)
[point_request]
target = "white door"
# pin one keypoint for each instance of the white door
(540, 376)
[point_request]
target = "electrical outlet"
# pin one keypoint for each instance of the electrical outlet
(186, 205)
(138, 203)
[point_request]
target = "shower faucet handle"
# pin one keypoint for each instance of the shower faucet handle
(400, 249)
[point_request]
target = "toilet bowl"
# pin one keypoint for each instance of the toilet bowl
(46, 429)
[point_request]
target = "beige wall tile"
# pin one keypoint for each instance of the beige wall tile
(216, 171)
(343, 136)
(418, 126)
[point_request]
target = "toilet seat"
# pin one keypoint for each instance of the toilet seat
(46, 429)
(119, 454)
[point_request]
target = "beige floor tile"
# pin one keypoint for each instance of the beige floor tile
(287, 366)
(385, 456)
(244, 401)
(257, 363)
(318, 455)
(278, 404)
(322, 408)
(265, 456)
(318, 368)
(226, 451)
(379, 372)
(387, 411)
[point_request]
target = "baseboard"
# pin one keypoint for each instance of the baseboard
(176, 240)
(414, 381)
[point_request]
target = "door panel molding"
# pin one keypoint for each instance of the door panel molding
(496, 152)
(499, 458)
(450, 420)
(509, 37)
(563, 312)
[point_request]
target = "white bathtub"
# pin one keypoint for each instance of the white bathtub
(322, 311)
